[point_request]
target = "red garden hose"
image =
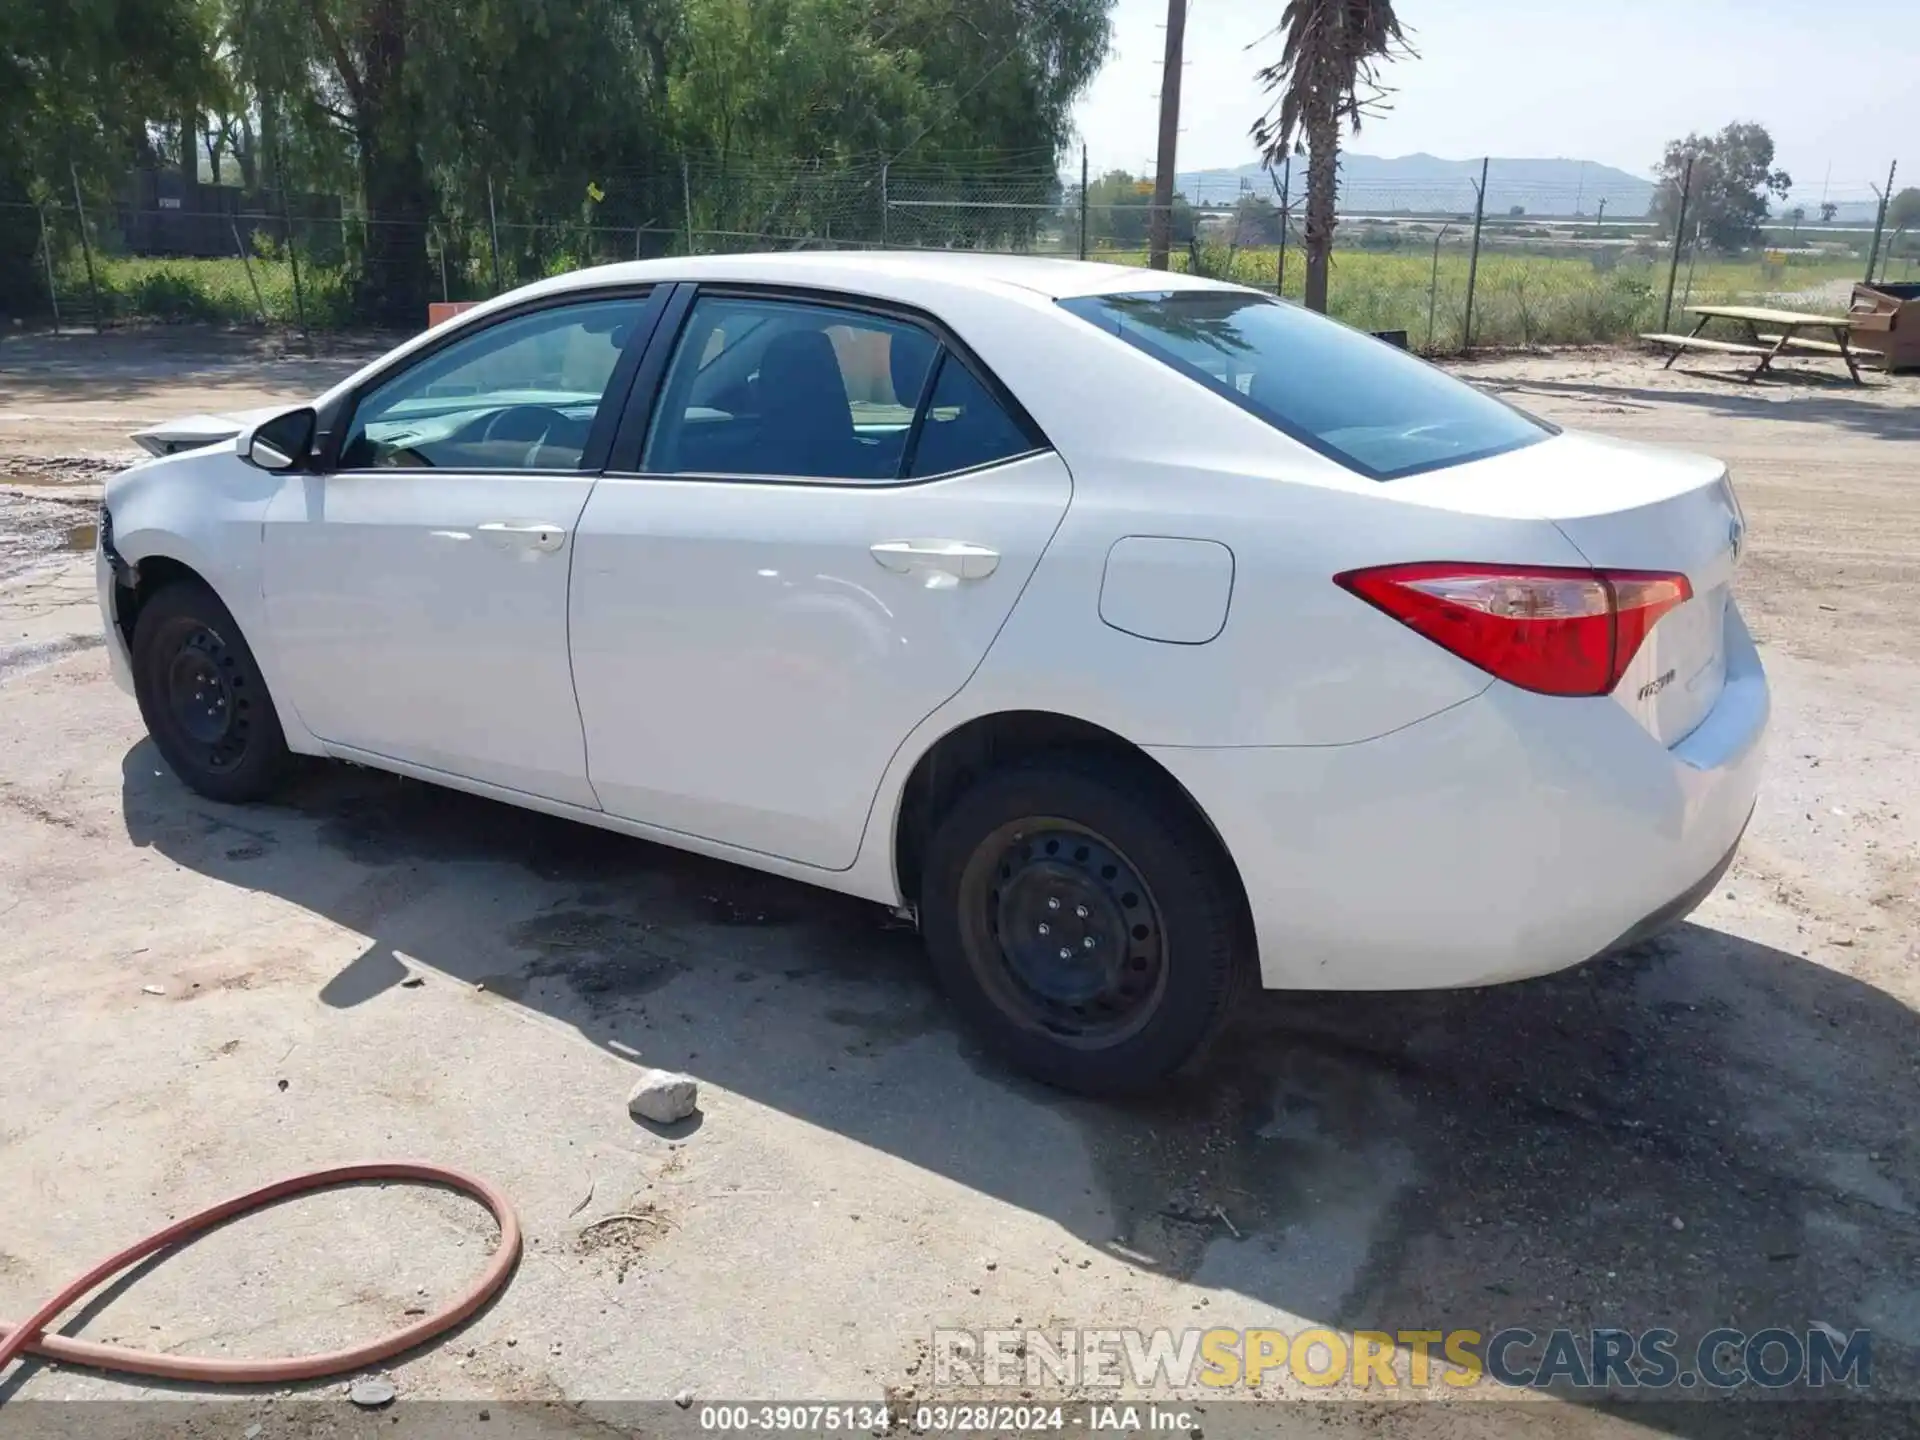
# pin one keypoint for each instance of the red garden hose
(27, 1339)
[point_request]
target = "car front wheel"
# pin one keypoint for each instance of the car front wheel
(1083, 918)
(203, 698)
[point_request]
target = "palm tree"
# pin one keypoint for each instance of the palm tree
(1325, 74)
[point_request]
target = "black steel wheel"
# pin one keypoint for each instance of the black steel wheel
(208, 708)
(1086, 921)
(1064, 931)
(203, 698)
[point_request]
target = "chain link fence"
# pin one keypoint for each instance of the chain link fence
(1446, 278)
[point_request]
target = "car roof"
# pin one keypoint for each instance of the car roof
(864, 270)
(945, 282)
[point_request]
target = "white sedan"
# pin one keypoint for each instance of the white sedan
(1139, 634)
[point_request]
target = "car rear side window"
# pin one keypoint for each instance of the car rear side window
(964, 426)
(788, 389)
(1369, 405)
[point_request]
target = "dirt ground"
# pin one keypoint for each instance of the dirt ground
(1715, 1129)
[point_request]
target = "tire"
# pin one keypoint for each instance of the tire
(203, 698)
(1100, 855)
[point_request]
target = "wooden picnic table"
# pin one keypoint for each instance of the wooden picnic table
(1785, 337)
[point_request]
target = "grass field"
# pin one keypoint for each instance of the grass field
(1520, 298)
(211, 291)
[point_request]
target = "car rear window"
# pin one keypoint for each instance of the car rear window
(1365, 403)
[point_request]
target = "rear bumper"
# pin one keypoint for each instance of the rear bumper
(1512, 835)
(1683, 904)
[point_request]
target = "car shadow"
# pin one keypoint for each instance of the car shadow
(1703, 1131)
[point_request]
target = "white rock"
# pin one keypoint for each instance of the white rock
(371, 1393)
(663, 1097)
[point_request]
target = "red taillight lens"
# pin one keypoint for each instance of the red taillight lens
(1543, 628)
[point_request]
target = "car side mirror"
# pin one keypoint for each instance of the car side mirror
(283, 443)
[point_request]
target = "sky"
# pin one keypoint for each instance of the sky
(1836, 82)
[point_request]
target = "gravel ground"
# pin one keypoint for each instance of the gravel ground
(1717, 1128)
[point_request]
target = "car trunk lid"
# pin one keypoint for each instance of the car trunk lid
(1626, 506)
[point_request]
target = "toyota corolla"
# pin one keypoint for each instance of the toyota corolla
(1142, 636)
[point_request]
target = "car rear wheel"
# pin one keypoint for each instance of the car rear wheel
(1084, 920)
(203, 698)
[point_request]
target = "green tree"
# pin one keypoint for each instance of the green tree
(592, 112)
(1256, 221)
(760, 90)
(1326, 73)
(556, 116)
(1119, 207)
(1733, 174)
(1001, 75)
(84, 84)
(1904, 212)
(430, 100)
(344, 80)
(971, 101)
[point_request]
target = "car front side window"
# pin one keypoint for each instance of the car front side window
(520, 394)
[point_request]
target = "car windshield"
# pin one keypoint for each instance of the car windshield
(1365, 403)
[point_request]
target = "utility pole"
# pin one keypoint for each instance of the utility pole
(86, 246)
(46, 256)
(1600, 222)
(293, 259)
(1433, 285)
(1679, 234)
(1693, 259)
(686, 197)
(1160, 231)
(1473, 261)
(1880, 220)
(493, 236)
(279, 162)
(1083, 199)
(1284, 184)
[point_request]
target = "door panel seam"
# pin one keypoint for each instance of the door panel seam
(866, 827)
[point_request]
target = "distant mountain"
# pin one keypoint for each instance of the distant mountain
(1428, 184)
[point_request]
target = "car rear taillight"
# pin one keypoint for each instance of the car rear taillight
(1543, 628)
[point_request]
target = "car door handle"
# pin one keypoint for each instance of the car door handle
(533, 534)
(952, 557)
